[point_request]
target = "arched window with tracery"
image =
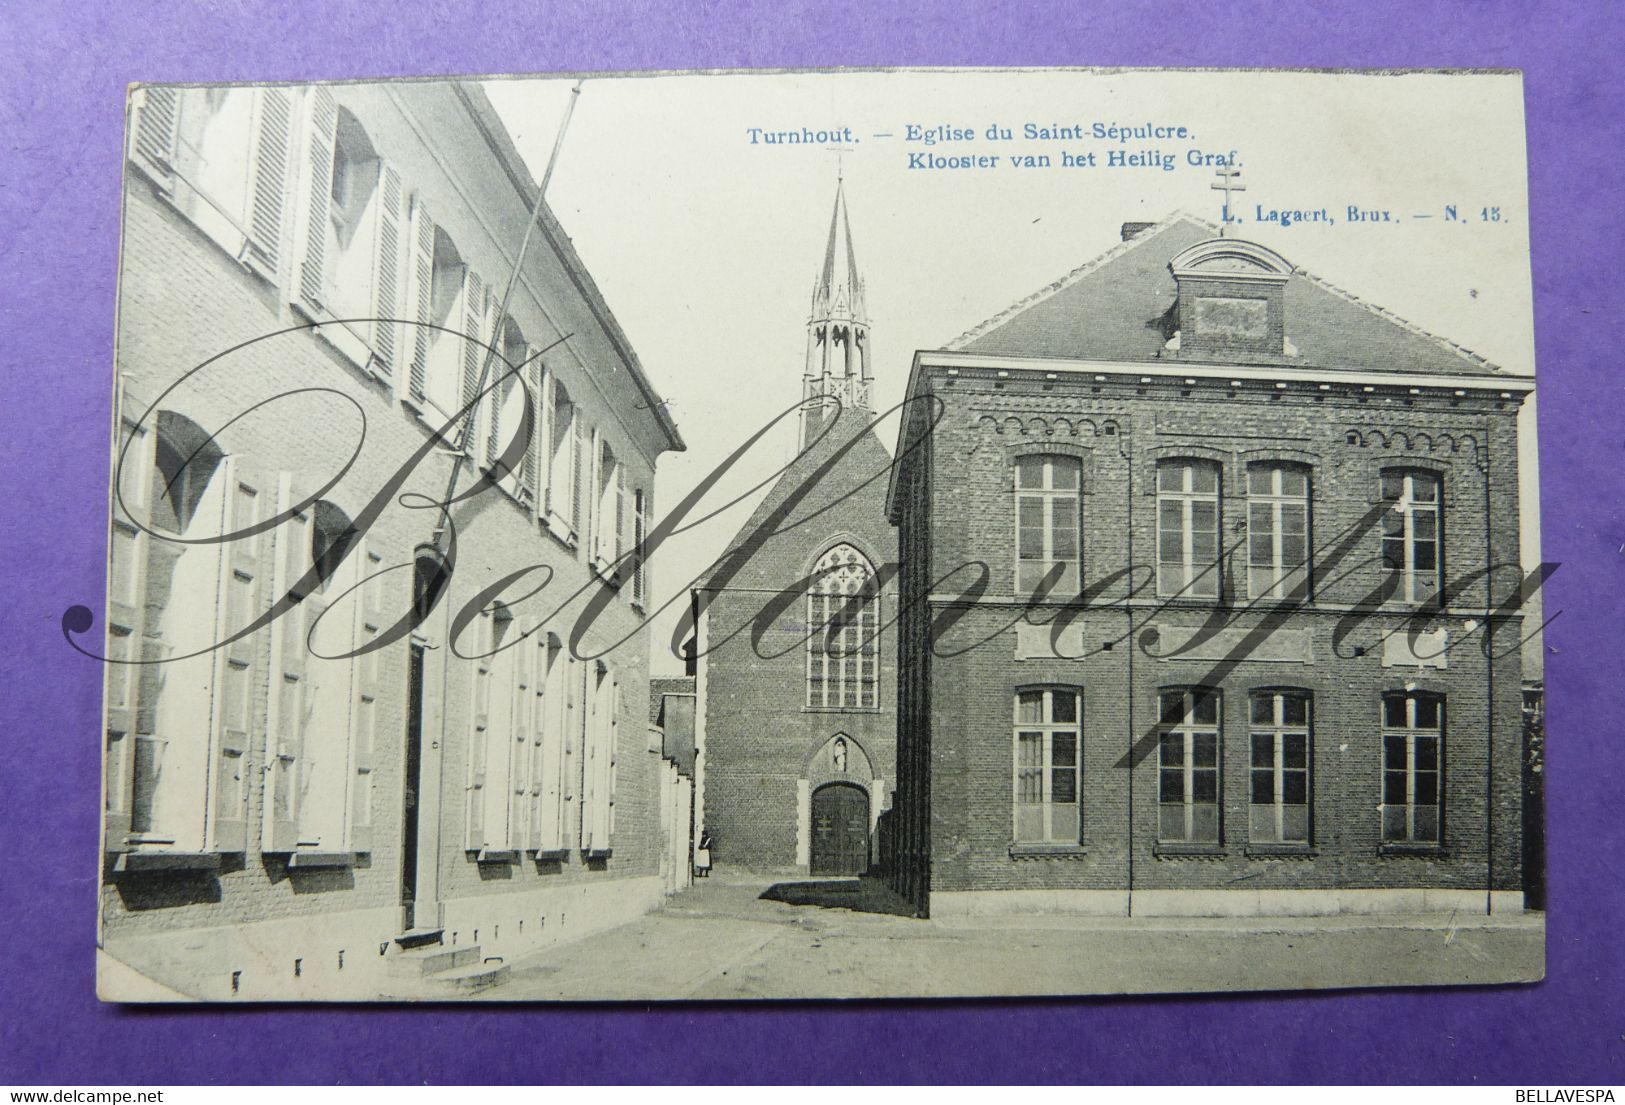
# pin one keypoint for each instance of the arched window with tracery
(843, 647)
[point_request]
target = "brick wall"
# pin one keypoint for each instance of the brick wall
(759, 732)
(961, 498)
(184, 300)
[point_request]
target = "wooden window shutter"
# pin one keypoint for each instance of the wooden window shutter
(386, 329)
(538, 764)
(234, 691)
(544, 438)
(577, 444)
(474, 319)
(574, 737)
(155, 124)
(609, 766)
(423, 278)
(531, 378)
(365, 684)
(551, 739)
(478, 740)
(590, 759)
(640, 535)
(623, 518)
(496, 397)
(273, 131)
(519, 769)
(595, 500)
(289, 702)
(323, 133)
(491, 335)
(126, 619)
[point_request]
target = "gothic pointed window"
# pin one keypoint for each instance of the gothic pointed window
(843, 650)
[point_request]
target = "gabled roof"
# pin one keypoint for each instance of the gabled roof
(496, 136)
(1118, 306)
(818, 494)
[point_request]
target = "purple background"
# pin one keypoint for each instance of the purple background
(65, 69)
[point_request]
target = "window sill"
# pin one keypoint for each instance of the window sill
(435, 420)
(1048, 851)
(1175, 850)
(509, 484)
(136, 862)
(1280, 851)
(550, 855)
(321, 859)
(494, 855)
(840, 709)
(601, 569)
(221, 229)
(598, 853)
(354, 348)
(559, 530)
(1434, 851)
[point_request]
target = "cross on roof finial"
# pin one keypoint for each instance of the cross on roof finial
(1227, 183)
(840, 172)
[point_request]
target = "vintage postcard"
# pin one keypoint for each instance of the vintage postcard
(822, 535)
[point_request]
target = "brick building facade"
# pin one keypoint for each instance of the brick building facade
(391, 746)
(1126, 685)
(796, 669)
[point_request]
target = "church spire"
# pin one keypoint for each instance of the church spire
(838, 369)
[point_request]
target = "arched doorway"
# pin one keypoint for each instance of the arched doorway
(840, 830)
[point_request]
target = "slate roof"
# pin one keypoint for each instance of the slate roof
(1116, 307)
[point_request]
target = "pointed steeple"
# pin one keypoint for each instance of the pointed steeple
(838, 290)
(838, 375)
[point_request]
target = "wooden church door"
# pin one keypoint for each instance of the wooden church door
(840, 830)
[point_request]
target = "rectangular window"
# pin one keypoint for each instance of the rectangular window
(349, 251)
(1048, 766)
(1412, 744)
(1277, 530)
(450, 293)
(178, 737)
(1188, 529)
(1049, 555)
(1279, 812)
(1410, 533)
(504, 411)
(1188, 767)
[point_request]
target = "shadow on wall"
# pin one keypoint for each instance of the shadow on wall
(861, 895)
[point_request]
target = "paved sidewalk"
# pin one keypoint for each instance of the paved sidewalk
(723, 940)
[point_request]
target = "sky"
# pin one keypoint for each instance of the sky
(706, 243)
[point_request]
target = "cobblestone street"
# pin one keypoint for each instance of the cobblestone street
(730, 938)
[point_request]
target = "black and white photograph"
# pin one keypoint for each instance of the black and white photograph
(848, 534)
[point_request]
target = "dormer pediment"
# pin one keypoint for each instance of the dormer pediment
(1230, 256)
(1230, 299)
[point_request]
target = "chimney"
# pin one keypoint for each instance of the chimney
(1134, 230)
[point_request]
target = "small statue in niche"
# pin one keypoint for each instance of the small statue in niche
(840, 755)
